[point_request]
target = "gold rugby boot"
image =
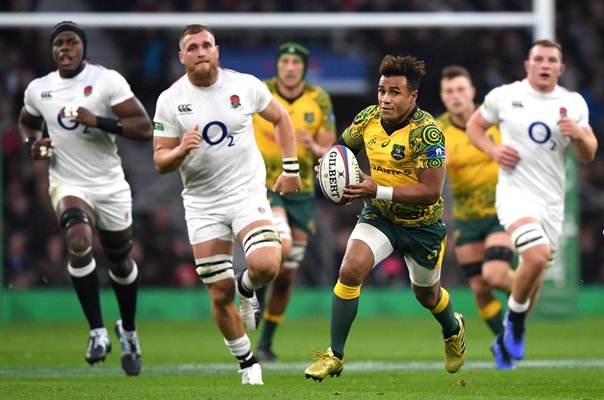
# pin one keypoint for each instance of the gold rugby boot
(325, 364)
(455, 348)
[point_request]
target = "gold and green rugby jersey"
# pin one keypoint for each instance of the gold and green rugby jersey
(472, 174)
(312, 111)
(395, 157)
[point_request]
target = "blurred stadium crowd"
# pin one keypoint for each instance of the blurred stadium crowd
(34, 251)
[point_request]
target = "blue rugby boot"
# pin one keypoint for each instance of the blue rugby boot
(502, 358)
(513, 337)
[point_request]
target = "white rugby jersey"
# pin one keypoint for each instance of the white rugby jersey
(83, 156)
(528, 121)
(228, 160)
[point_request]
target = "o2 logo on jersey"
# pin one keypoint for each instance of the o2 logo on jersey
(215, 132)
(72, 127)
(540, 133)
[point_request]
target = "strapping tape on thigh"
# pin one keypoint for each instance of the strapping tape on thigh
(529, 235)
(261, 237)
(215, 268)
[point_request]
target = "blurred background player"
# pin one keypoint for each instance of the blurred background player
(203, 127)
(539, 120)
(84, 107)
(482, 247)
(401, 214)
(311, 110)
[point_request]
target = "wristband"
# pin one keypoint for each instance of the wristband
(29, 143)
(384, 193)
(291, 166)
(109, 125)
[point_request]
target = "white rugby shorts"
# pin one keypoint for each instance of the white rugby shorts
(513, 205)
(112, 204)
(224, 220)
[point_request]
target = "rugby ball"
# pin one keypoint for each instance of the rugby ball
(337, 170)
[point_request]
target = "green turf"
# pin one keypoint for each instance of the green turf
(385, 358)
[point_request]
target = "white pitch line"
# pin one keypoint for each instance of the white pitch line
(284, 368)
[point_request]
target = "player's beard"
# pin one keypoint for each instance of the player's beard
(204, 77)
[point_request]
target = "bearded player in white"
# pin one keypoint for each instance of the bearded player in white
(539, 121)
(84, 107)
(203, 126)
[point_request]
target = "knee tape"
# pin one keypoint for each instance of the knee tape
(126, 280)
(214, 268)
(471, 269)
(73, 216)
(500, 253)
(80, 272)
(296, 255)
(118, 252)
(529, 235)
(261, 237)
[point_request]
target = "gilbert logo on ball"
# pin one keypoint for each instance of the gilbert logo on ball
(338, 170)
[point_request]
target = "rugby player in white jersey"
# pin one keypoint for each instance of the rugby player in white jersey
(84, 107)
(203, 127)
(539, 121)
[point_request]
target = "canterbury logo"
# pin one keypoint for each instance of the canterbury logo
(185, 108)
(46, 95)
(432, 255)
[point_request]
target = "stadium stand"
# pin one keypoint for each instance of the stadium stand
(34, 255)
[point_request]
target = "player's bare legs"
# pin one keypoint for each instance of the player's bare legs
(77, 220)
(214, 258)
(123, 273)
(535, 251)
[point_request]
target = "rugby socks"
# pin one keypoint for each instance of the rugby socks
(241, 349)
(246, 286)
(443, 312)
(126, 290)
(86, 284)
(517, 312)
(344, 306)
(493, 316)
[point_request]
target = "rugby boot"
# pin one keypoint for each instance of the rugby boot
(249, 307)
(325, 364)
(455, 347)
(513, 338)
(98, 346)
(132, 358)
(502, 358)
(252, 375)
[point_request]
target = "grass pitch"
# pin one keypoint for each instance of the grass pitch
(385, 359)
